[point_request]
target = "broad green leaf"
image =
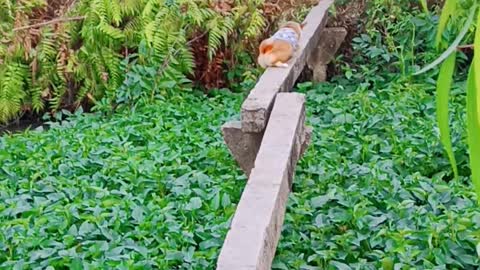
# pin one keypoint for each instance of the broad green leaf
(473, 130)
(226, 200)
(215, 202)
(340, 266)
(476, 61)
(210, 244)
(387, 264)
(194, 204)
(320, 220)
(85, 228)
(279, 265)
(73, 230)
(320, 201)
(137, 214)
(448, 10)
(375, 221)
(444, 83)
(76, 264)
(174, 256)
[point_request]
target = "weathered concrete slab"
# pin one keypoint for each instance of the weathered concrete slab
(324, 53)
(256, 226)
(258, 105)
(243, 146)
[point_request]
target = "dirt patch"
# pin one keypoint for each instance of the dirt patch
(27, 122)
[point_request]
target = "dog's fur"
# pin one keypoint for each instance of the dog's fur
(276, 52)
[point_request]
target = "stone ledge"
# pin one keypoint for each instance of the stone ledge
(258, 105)
(255, 230)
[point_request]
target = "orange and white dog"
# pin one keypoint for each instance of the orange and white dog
(278, 49)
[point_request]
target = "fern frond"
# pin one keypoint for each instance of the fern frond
(82, 92)
(149, 10)
(218, 33)
(257, 24)
(149, 31)
(187, 60)
(132, 29)
(110, 31)
(12, 90)
(115, 11)
(131, 7)
(47, 48)
(36, 96)
(100, 8)
(58, 93)
(112, 65)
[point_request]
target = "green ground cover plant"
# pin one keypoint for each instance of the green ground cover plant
(375, 190)
(151, 188)
(151, 185)
(372, 191)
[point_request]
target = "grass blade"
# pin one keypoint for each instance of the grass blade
(424, 6)
(473, 130)
(447, 11)
(453, 46)
(476, 61)
(444, 83)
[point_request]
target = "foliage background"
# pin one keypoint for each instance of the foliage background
(49, 66)
(376, 190)
(152, 186)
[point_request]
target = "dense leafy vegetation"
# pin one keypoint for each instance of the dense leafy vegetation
(372, 189)
(152, 188)
(376, 191)
(152, 185)
(461, 15)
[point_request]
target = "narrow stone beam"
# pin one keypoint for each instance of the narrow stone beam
(258, 105)
(253, 237)
(325, 52)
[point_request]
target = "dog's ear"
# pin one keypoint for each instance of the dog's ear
(303, 25)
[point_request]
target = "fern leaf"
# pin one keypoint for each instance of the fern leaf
(11, 90)
(115, 12)
(257, 23)
(111, 31)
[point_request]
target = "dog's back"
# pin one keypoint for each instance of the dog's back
(278, 49)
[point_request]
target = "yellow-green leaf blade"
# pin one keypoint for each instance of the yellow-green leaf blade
(424, 6)
(447, 11)
(476, 62)
(473, 130)
(444, 84)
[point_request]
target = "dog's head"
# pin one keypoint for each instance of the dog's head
(297, 27)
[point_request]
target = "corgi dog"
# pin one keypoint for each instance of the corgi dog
(278, 49)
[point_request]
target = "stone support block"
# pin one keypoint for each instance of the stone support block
(330, 41)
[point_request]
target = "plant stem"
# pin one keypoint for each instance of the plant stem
(57, 20)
